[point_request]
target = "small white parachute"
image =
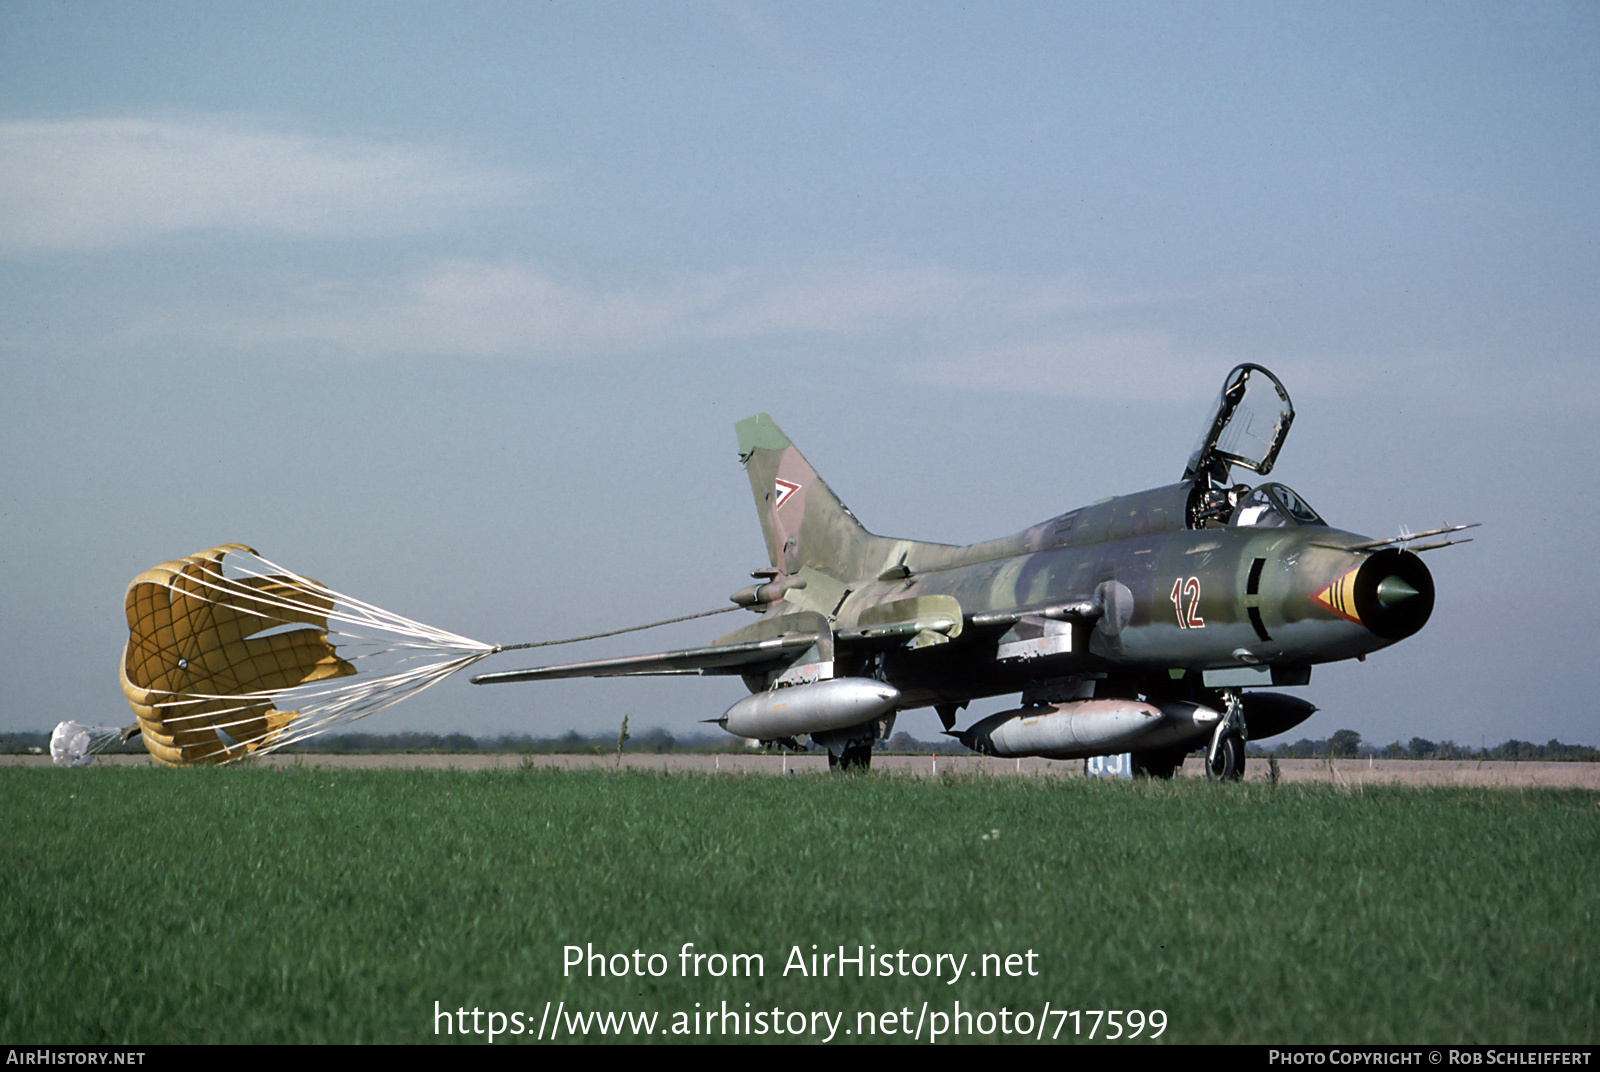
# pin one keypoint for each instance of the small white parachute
(72, 744)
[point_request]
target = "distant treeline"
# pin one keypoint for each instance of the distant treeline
(569, 743)
(652, 741)
(1342, 744)
(15, 744)
(1347, 744)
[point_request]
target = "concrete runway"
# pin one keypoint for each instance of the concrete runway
(1348, 772)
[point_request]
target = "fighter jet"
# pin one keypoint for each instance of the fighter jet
(1133, 625)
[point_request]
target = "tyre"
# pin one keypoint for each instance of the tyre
(1156, 764)
(855, 757)
(1228, 764)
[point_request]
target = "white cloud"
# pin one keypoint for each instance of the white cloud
(507, 307)
(927, 325)
(1080, 364)
(1164, 367)
(92, 184)
(467, 307)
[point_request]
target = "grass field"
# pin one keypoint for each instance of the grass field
(308, 905)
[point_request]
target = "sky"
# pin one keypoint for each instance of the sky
(454, 306)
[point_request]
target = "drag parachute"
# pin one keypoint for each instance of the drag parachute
(230, 655)
(72, 744)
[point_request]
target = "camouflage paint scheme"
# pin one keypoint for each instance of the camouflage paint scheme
(1171, 600)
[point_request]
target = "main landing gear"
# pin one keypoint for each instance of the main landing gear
(1160, 763)
(856, 756)
(850, 749)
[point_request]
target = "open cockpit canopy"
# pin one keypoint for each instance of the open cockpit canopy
(1247, 428)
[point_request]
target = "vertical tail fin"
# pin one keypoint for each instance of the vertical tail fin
(803, 521)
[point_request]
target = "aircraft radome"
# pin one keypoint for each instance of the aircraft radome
(1131, 625)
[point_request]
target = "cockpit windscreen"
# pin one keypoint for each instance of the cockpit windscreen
(1274, 506)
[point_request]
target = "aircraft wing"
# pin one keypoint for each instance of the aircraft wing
(739, 657)
(742, 653)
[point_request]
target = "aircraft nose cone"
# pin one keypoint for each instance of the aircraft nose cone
(1393, 591)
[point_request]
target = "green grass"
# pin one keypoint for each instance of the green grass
(314, 905)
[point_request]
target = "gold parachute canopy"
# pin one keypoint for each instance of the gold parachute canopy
(229, 655)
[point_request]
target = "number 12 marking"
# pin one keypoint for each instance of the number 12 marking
(1187, 589)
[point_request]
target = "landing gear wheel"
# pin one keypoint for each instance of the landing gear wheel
(856, 756)
(1156, 764)
(1226, 764)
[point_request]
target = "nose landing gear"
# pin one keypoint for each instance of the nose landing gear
(1225, 757)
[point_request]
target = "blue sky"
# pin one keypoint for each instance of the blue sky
(453, 307)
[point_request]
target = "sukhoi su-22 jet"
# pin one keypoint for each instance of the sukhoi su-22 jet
(1140, 624)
